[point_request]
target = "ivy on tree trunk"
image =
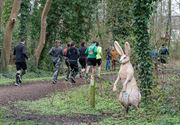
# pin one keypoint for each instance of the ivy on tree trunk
(24, 18)
(142, 10)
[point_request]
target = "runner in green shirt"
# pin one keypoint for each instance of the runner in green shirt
(91, 53)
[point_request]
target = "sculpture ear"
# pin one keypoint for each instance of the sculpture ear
(127, 49)
(118, 48)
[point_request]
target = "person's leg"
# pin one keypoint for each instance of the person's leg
(18, 73)
(56, 71)
(99, 67)
(83, 68)
(113, 64)
(106, 64)
(92, 75)
(24, 68)
(75, 71)
(84, 65)
(81, 62)
(68, 70)
(21, 71)
(93, 71)
(72, 73)
(88, 67)
(109, 64)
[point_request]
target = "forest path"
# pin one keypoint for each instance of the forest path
(38, 89)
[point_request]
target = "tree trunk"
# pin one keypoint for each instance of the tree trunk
(8, 34)
(24, 18)
(142, 45)
(99, 30)
(1, 8)
(169, 27)
(43, 31)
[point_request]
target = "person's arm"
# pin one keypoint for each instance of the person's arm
(14, 52)
(86, 52)
(78, 52)
(167, 51)
(160, 50)
(101, 52)
(51, 51)
(67, 55)
(61, 53)
(95, 50)
(24, 52)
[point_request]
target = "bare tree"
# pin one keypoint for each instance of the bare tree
(8, 34)
(42, 39)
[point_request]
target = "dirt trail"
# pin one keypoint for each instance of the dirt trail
(37, 89)
(33, 90)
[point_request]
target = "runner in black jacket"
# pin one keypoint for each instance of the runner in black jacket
(82, 58)
(73, 55)
(20, 57)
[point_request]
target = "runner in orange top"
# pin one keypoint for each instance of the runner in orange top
(114, 55)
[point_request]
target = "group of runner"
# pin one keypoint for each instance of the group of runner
(77, 60)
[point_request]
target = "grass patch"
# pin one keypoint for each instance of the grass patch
(161, 110)
(75, 101)
(8, 78)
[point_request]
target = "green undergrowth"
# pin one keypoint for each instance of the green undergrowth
(162, 109)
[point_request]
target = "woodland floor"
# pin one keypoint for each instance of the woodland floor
(39, 89)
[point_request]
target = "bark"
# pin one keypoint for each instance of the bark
(8, 34)
(1, 8)
(161, 20)
(169, 27)
(42, 39)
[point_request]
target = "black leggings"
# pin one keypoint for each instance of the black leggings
(74, 68)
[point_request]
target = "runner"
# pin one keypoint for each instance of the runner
(114, 55)
(20, 57)
(163, 53)
(57, 53)
(82, 58)
(66, 61)
(91, 51)
(73, 55)
(108, 59)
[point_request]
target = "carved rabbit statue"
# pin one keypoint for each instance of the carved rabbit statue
(130, 94)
